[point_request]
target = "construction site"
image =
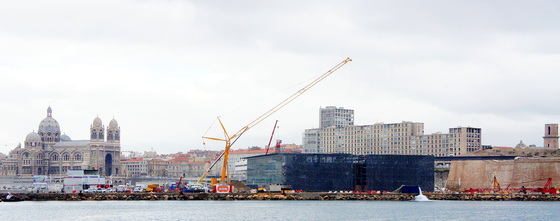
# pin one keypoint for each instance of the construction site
(223, 186)
(328, 172)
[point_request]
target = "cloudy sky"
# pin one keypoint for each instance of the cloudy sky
(166, 69)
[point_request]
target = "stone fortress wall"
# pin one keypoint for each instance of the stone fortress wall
(530, 172)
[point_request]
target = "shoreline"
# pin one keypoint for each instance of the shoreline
(279, 196)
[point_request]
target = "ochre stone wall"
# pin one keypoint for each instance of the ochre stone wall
(528, 172)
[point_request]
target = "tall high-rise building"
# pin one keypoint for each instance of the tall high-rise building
(332, 116)
(551, 136)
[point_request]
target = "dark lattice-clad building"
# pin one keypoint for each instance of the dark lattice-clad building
(335, 172)
(389, 172)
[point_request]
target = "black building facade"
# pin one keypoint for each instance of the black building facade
(346, 172)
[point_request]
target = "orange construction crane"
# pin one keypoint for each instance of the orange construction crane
(230, 140)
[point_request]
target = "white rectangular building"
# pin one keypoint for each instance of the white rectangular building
(78, 180)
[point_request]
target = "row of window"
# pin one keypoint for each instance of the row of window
(441, 152)
(52, 170)
(54, 157)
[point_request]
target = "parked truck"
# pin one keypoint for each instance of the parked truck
(153, 188)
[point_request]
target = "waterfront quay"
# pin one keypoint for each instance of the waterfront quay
(283, 196)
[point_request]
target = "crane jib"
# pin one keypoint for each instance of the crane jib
(230, 140)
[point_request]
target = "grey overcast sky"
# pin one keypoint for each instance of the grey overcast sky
(166, 69)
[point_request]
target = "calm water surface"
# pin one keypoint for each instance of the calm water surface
(279, 210)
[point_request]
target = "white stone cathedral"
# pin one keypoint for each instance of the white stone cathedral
(50, 152)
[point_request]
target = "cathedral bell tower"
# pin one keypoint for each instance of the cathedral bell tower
(97, 132)
(113, 132)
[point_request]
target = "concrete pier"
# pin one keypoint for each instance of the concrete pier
(279, 196)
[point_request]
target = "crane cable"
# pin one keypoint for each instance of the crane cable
(210, 127)
(293, 96)
(230, 140)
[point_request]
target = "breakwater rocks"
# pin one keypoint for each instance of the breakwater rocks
(279, 196)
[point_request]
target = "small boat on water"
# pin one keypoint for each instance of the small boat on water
(13, 199)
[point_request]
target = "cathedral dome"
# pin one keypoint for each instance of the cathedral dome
(49, 126)
(33, 137)
(113, 123)
(65, 137)
(97, 122)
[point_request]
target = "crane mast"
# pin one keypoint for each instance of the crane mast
(230, 140)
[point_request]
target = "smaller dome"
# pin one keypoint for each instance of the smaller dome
(113, 123)
(33, 137)
(521, 145)
(65, 137)
(97, 122)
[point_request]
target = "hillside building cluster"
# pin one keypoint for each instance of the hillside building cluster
(50, 152)
(193, 164)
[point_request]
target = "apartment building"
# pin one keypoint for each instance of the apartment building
(157, 168)
(405, 138)
(135, 167)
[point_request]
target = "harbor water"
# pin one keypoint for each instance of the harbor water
(280, 210)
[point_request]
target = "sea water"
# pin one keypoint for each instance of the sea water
(280, 210)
